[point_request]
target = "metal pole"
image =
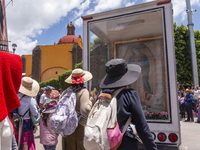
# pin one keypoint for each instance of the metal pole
(192, 44)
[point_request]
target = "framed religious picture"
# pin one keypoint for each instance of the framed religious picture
(151, 86)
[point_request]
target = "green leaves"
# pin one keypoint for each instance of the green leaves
(79, 65)
(62, 77)
(60, 82)
(183, 53)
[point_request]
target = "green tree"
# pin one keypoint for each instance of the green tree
(60, 82)
(42, 84)
(197, 45)
(79, 65)
(62, 77)
(54, 83)
(183, 54)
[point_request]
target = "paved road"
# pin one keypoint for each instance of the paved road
(190, 137)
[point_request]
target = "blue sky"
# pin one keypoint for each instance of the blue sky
(43, 22)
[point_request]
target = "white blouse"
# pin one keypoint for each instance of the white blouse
(196, 94)
(27, 102)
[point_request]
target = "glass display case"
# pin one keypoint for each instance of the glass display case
(138, 38)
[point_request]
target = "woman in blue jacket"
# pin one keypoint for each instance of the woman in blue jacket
(188, 104)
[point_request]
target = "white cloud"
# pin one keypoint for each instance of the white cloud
(105, 5)
(93, 37)
(180, 8)
(27, 18)
(82, 8)
(25, 45)
(78, 22)
(129, 4)
(101, 5)
(195, 2)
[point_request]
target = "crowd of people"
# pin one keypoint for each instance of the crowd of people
(189, 100)
(22, 106)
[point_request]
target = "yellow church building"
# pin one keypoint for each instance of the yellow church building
(47, 61)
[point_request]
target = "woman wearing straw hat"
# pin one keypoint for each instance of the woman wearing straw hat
(119, 75)
(47, 137)
(28, 89)
(83, 105)
(188, 104)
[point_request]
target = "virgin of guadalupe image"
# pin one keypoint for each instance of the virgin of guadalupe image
(134, 55)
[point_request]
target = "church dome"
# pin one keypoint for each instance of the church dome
(70, 37)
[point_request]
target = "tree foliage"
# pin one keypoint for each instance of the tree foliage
(79, 65)
(62, 77)
(60, 82)
(183, 53)
(42, 84)
(54, 83)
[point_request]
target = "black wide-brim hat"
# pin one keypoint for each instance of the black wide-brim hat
(119, 74)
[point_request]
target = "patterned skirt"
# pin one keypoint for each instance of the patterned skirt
(27, 137)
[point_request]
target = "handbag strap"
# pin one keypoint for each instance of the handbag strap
(128, 122)
(115, 93)
(27, 110)
(126, 125)
(25, 113)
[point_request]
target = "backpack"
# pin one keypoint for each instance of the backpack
(64, 121)
(16, 118)
(18, 122)
(102, 130)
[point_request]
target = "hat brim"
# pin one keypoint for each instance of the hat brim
(87, 77)
(32, 91)
(48, 111)
(129, 77)
(188, 91)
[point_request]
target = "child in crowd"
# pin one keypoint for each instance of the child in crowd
(197, 110)
(47, 137)
(181, 99)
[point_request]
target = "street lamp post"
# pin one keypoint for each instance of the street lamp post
(14, 47)
(192, 44)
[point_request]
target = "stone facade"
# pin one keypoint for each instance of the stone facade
(36, 64)
(23, 63)
(76, 55)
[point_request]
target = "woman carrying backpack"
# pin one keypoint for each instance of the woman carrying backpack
(119, 75)
(28, 89)
(74, 141)
(47, 137)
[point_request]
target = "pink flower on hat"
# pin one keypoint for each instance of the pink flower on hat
(78, 79)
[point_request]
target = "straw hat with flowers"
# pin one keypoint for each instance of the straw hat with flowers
(79, 76)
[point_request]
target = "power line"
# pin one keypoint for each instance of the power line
(8, 4)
